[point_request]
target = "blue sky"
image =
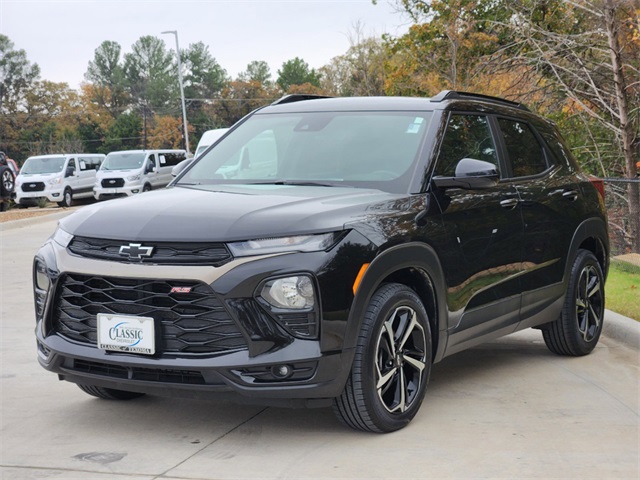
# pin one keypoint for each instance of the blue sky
(62, 35)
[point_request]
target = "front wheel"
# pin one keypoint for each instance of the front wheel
(67, 198)
(109, 393)
(392, 363)
(578, 329)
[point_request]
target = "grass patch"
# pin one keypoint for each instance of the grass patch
(622, 289)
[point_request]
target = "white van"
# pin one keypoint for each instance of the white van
(58, 178)
(129, 172)
(208, 138)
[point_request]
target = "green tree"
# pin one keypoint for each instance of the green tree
(17, 76)
(203, 77)
(257, 71)
(106, 73)
(124, 134)
(151, 75)
(297, 72)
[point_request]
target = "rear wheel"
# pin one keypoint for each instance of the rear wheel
(578, 329)
(391, 366)
(109, 393)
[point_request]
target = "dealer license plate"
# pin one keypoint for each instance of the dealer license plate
(124, 333)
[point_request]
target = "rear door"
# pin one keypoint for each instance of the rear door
(548, 197)
(482, 249)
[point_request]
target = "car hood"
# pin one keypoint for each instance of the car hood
(230, 212)
(36, 177)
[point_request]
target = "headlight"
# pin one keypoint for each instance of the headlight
(61, 237)
(133, 178)
(54, 181)
(290, 292)
(299, 243)
(42, 278)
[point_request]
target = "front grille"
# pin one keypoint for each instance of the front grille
(192, 323)
(113, 182)
(167, 253)
(33, 187)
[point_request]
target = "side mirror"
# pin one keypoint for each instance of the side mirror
(70, 172)
(179, 168)
(470, 174)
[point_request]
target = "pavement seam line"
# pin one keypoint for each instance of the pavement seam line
(204, 447)
(77, 470)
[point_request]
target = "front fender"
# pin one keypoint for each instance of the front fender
(416, 257)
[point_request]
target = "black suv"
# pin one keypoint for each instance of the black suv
(329, 251)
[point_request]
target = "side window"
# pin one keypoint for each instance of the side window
(560, 151)
(71, 167)
(151, 163)
(172, 159)
(525, 153)
(85, 164)
(467, 136)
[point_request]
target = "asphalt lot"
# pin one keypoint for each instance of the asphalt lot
(507, 409)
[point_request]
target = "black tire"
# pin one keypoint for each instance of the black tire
(67, 198)
(109, 393)
(146, 188)
(392, 363)
(578, 329)
(7, 181)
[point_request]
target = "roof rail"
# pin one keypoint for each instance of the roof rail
(454, 95)
(298, 97)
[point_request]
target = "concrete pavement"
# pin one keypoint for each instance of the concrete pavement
(506, 409)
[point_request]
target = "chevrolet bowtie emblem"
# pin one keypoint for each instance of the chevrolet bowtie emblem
(135, 251)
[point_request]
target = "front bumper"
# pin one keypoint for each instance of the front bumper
(51, 194)
(318, 366)
(100, 192)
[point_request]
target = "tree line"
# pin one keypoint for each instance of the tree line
(576, 62)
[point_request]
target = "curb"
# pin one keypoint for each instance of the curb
(25, 222)
(621, 329)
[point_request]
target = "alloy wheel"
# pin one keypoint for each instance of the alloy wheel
(589, 303)
(400, 360)
(7, 181)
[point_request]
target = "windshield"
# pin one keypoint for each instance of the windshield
(43, 165)
(123, 161)
(358, 149)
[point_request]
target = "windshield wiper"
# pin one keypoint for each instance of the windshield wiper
(300, 183)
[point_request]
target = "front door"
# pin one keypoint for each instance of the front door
(482, 249)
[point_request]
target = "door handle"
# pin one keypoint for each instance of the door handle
(570, 195)
(509, 203)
